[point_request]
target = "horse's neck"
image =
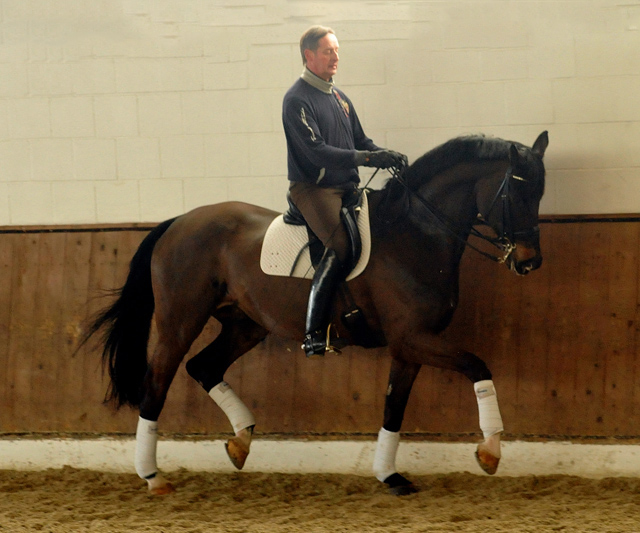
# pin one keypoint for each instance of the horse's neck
(446, 204)
(415, 240)
(436, 217)
(418, 221)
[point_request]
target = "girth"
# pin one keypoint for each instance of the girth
(351, 201)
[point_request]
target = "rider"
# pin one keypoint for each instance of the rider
(325, 144)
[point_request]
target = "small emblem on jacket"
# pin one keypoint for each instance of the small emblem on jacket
(343, 103)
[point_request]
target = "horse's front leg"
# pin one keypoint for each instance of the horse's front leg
(438, 353)
(401, 378)
(488, 452)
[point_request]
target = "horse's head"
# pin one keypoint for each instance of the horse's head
(508, 202)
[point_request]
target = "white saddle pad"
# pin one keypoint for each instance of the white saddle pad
(283, 242)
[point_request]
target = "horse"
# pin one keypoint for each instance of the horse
(205, 263)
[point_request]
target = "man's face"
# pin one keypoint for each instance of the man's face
(324, 61)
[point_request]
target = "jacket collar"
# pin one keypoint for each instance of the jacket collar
(313, 80)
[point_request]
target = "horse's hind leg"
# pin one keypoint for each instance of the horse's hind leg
(238, 335)
(162, 368)
(174, 340)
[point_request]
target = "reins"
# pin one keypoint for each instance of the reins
(503, 242)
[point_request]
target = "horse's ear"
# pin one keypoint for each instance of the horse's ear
(540, 146)
(513, 155)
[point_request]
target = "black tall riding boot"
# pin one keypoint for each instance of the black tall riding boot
(323, 288)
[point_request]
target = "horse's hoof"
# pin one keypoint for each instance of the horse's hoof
(487, 461)
(237, 452)
(161, 491)
(400, 485)
(159, 486)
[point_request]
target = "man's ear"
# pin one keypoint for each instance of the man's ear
(308, 54)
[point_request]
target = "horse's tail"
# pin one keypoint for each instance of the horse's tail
(127, 325)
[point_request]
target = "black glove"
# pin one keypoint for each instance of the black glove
(403, 159)
(385, 159)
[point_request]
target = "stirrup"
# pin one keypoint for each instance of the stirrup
(314, 346)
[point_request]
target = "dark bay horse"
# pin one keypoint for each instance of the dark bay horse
(206, 264)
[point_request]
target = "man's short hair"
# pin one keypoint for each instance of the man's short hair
(310, 38)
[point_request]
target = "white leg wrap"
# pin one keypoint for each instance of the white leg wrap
(384, 460)
(490, 419)
(232, 406)
(146, 443)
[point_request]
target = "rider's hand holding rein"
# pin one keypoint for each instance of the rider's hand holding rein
(382, 159)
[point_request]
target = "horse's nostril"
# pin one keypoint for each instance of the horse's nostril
(525, 267)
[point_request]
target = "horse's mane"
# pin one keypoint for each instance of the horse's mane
(463, 149)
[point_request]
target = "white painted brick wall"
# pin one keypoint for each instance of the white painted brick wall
(52, 160)
(182, 156)
(139, 110)
(73, 201)
(138, 158)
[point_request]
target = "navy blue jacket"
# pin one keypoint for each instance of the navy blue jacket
(323, 134)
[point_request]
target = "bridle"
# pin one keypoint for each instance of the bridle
(505, 241)
(507, 237)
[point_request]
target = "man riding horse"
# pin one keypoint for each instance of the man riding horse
(206, 264)
(326, 144)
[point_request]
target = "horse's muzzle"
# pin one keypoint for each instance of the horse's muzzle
(524, 259)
